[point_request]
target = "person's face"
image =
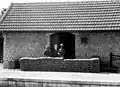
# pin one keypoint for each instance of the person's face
(55, 47)
(61, 45)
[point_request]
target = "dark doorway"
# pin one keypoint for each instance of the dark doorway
(1, 48)
(68, 41)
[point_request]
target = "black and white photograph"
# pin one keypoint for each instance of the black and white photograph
(60, 43)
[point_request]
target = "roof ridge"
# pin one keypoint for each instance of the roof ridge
(4, 15)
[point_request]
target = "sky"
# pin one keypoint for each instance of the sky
(6, 3)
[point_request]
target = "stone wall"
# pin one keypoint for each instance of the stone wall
(100, 43)
(21, 44)
(59, 64)
(32, 44)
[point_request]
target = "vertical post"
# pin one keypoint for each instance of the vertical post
(111, 59)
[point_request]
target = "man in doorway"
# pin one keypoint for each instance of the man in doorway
(47, 51)
(61, 51)
(55, 52)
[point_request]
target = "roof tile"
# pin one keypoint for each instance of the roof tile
(62, 16)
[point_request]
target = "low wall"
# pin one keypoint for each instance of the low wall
(59, 64)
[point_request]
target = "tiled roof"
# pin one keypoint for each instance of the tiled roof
(60, 16)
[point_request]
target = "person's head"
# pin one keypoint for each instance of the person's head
(55, 46)
(61, 45)
(47, 47)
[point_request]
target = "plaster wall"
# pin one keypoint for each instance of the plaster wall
(99, 43)
(32, 44)
(22, 44)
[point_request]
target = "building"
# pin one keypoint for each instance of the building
(85, 28)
